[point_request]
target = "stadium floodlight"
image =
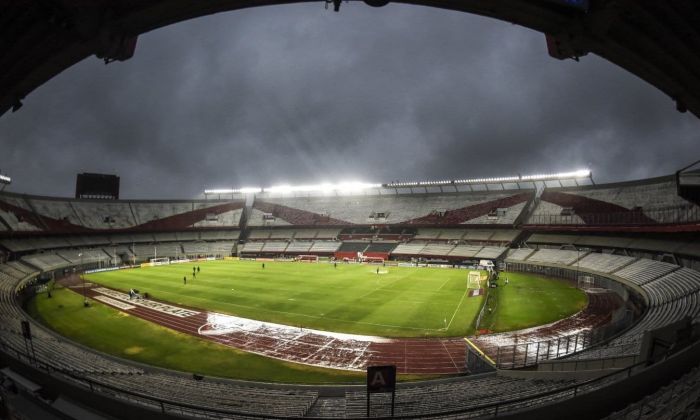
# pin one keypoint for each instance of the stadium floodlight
(582, 173)
(281, 189)
(325, 187)
(355, 186)
(4, 179)
(220, 191)
(247, 190)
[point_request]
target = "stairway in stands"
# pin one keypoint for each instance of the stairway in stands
(243, 223)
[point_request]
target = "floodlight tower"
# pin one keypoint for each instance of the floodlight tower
(4, 181)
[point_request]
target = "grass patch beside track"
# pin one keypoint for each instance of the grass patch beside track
(528, 300)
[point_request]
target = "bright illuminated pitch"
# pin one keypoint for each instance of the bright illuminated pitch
(359, 186)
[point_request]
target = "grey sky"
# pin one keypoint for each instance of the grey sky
(298, 94)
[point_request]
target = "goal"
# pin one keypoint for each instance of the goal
(160, 261)
(586, 282)
(308, 258)
(373, 260)
(474, 280)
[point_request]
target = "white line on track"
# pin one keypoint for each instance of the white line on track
(449, 354)
(353, 364)
(325, 346)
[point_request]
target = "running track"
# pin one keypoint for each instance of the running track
(435, 356)
(413, 356)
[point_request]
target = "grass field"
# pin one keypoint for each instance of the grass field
(114, 332)
(401, 302)
(529, 300)
(351, 298)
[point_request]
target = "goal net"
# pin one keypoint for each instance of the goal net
(160, 261)
(308, 258)
(474, 280)
(586, 282)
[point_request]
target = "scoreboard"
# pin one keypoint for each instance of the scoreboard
(97, 186)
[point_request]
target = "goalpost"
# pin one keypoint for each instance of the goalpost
(373, 260)
(308, 258)
(369, 260)
(586, 282)
(160, 261)
(474, 280)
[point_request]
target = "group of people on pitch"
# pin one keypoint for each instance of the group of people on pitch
(195, 270)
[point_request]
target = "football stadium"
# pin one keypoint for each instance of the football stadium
(530, 296)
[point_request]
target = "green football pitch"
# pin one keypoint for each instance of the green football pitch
(349, 298)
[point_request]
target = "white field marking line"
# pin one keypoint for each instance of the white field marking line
(325, 346)
(443, 284)
(448, 353)
(456, 310)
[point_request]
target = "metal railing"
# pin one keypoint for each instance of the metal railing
(520, 355)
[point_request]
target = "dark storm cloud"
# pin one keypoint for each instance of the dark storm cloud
(300, 95)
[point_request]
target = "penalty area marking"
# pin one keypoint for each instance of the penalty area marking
(455, 313)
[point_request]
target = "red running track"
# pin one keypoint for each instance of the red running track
(413, 356)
